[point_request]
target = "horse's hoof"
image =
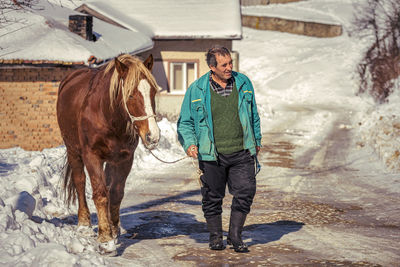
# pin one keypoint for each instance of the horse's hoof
(85, 230)
(108, 248)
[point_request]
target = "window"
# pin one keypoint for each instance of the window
(182, 74)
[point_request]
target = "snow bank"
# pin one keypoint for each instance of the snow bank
(36, 227)
(379, 128)
(31, 231)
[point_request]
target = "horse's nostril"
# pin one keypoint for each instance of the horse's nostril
(148, 138)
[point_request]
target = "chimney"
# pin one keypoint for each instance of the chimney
(82, 25)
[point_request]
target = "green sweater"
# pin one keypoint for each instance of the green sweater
(228, 131)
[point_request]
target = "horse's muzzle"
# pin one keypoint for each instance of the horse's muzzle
(151, 141)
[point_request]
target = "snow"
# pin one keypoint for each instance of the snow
(43, 34)
(178, 18)
(380, 129)
(290, 73)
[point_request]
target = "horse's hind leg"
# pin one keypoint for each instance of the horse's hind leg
(94, 166)
(79, 179)
(116, 175)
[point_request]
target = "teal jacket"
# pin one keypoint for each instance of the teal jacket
(195, 126)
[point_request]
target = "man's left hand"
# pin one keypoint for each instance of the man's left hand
(257, 150)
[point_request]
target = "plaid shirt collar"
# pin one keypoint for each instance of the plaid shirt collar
(219, 89)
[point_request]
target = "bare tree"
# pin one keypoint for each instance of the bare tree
(7, 6)
(381, 62)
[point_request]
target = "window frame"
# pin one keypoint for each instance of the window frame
(184, 63)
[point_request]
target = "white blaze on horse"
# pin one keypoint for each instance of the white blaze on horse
(101, 113)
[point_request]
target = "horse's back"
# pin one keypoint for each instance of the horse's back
(75, 81)
(72, 92)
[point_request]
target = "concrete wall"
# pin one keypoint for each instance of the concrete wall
(265, 2)
(291, 26)
(28, 107)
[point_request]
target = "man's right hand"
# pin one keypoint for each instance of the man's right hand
(192, 151)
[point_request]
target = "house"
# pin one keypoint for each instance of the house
(182, 32)
(38, 48)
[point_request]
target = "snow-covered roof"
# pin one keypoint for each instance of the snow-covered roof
(175, 19)
(42, 36)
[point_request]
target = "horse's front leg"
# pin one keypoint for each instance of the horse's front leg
(116, 175)
(101, 196)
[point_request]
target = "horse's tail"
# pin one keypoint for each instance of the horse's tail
(69, 187)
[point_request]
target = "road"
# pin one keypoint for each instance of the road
(320, 202)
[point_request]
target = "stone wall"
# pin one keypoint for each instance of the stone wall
(314, 29)
(28, 107)
(265, 2)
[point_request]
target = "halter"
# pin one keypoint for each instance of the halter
(133, 118)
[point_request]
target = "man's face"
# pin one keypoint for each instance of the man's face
(223, 70)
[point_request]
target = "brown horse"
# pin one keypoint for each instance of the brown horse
(101, 113)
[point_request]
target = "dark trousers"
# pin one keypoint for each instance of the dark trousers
(236, 169)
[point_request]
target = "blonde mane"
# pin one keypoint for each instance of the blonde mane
(136, 70)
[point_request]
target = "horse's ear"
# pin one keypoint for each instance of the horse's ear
(121, 67)
(149, 62)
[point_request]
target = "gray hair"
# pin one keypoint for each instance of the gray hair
(216, 49)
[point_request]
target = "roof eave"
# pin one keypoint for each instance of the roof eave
(41, 62)
(186, 37)
(103, 61)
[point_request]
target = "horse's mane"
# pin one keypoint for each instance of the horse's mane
(136, 70)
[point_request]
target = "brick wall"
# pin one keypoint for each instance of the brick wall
(28, 99)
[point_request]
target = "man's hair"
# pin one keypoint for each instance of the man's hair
(216, 49)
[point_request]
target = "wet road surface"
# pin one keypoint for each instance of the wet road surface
(316, 205)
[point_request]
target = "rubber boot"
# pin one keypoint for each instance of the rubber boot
(214, 225)
(235, 232)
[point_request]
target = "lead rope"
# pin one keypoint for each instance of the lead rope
(198, 174)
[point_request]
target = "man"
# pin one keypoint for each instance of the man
(219, 125)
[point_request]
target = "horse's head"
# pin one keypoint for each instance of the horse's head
(139, 89)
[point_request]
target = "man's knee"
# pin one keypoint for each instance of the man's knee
(243, 198)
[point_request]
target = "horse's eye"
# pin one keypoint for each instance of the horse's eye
(130, 96)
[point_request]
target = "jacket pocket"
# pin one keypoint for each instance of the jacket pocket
(248, 102)
(247, 108)
(201, 127)
(199, 113)
(248, 97)
(204, 141)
